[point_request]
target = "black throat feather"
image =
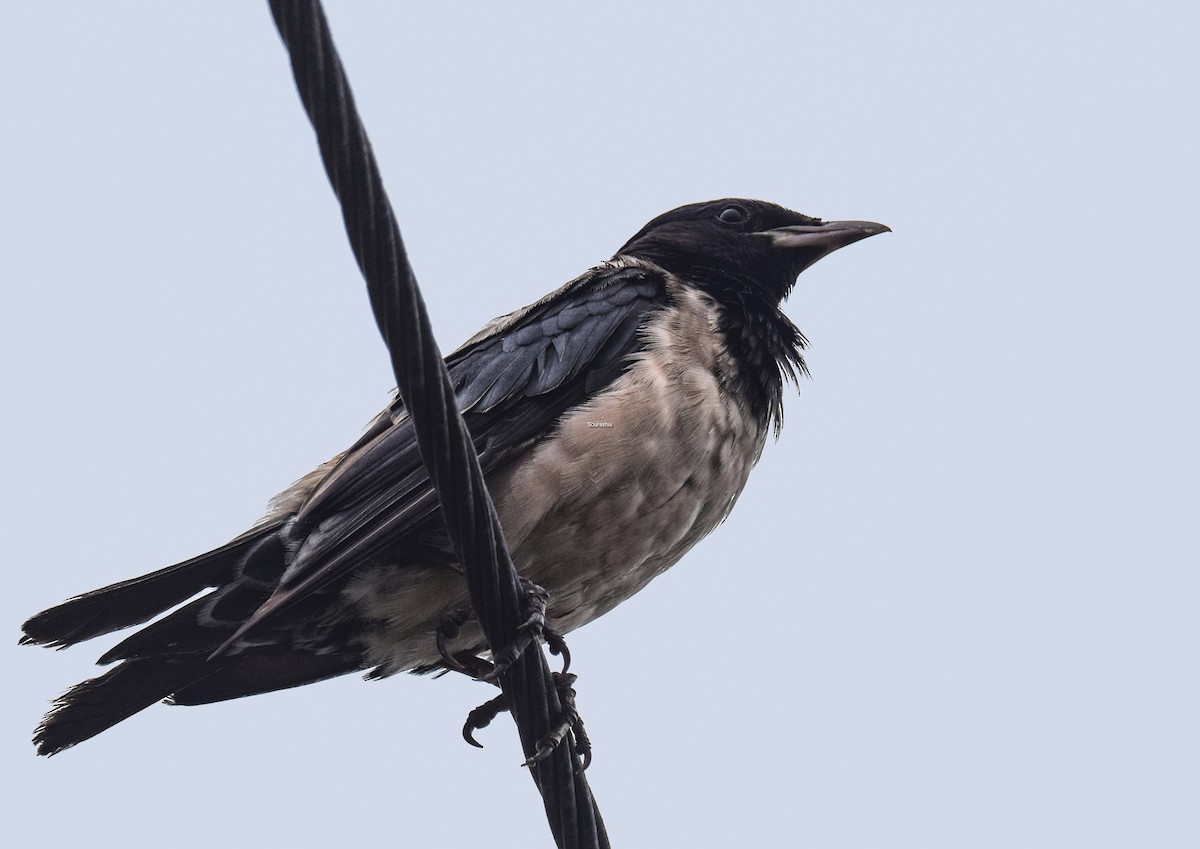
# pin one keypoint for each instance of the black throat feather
(764, 343)
(768, 349)
(761, 340)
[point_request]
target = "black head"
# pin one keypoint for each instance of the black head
(747, 255)
(742, 244)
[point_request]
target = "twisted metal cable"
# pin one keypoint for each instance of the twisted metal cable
(442, 437)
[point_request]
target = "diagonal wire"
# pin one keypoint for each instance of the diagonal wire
(425, 388)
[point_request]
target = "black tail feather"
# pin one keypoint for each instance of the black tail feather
(263, 672)
(138, 599)
(183, 632)
(98, 704)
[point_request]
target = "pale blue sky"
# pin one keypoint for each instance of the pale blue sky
(964, 581)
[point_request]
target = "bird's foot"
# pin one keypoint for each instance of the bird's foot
(528, 632)
(568, 723)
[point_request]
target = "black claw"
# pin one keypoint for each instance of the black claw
(482, 717)
(544, 750)
(557, 646)
(448, 658)
(449, 628)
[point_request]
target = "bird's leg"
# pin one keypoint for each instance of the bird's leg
(527, 633)
(568, 723)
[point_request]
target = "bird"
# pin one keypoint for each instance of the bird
(616, 419)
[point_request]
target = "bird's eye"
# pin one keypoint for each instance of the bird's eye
(733, 215)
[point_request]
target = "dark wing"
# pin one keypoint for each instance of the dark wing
(513, 381)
